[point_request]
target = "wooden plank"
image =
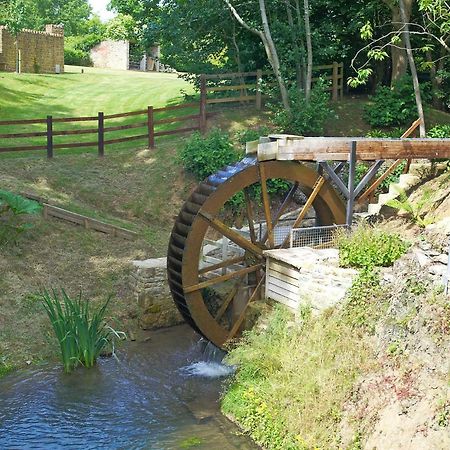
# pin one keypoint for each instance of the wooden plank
(174, 107)
(76, 144)
(22, 121)
(178, 130)
(367, 148)
(219, 76)
(221, 279)
(244, 98)
(272, 279)
(284, 269)
(23, 148)
(284, 297)
(20, 135)
(221, 264)
(266, 203)
(75, 119)
(126, 114)
(177, 119)
(126, 127)
(284, 277)
(70, 132)
(230, 88)
(124, 139)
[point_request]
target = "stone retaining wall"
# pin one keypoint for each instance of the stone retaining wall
(156, 306)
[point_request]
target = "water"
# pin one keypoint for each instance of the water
(160, 394)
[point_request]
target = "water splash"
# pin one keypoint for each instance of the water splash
(208, 369)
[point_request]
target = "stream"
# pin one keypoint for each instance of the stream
(160, 394)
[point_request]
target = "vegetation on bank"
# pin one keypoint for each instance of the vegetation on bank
(294, 375)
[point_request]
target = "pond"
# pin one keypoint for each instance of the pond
(159, 394)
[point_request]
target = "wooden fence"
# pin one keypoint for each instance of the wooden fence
(250, 85)
(147, 123)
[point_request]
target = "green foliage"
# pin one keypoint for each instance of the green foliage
(5, 368)
(12, 209)
(81, 332)
(275, 401)
(76, 57)
(306, 118)
(362, 309)
(250, 134)
(439, 131)
(392, 133)
(394, 106)
(368, 247)
(414, 209)
(205, 155)
(191, 442)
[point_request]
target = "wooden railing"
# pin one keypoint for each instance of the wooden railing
(148, 123)
(249, 85)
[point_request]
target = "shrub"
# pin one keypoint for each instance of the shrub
(77, 57)
(439, 131)
(205, 155)
(368, 247)
(396, 105)
(12, 209)
(306, 118)
(82, 333)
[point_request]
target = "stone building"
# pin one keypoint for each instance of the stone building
(40, 51)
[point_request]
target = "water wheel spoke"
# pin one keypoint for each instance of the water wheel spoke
(301, 215)
(221, 278)
(240, 319)
(233, 235)
(250, 216)
(226, 263)
(287, 200)
(229, 298)
(266, 203)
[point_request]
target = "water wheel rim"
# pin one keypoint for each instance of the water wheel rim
(329, 209)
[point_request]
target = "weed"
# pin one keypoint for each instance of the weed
(191, 442)
(82, 334)
(369, 247)
(443, 413)
(415, 210)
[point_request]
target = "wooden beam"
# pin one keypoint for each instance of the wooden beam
(308, 149)
(221, 279)
(266, 203)
(226, 263)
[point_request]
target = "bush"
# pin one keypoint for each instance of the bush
(368, 247)
(395, 106)
(81, 332)
(306, 118)
(12, 209)
(439, 131)
(76, 57)
(205, 155)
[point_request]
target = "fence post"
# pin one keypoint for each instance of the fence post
(49, 137)
(258, 89)
(150, 127)
(335, 81)
(101, 134)
(202, 119)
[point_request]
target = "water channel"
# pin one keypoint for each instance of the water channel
(160, 394)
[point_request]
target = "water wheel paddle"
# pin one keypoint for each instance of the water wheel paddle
(213, 295)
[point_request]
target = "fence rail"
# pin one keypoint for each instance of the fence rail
(254, 82)
(101, 131)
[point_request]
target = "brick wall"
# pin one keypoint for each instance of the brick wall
(111, 55)
(41, 51)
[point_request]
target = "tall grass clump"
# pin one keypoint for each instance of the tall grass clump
(81, 330)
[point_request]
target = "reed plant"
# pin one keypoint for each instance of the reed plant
(81, 330)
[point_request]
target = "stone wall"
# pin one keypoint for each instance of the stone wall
(156, 306)
(41, 51)
(111, 55)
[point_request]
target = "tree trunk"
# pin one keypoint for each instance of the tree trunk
(16, 45)
(309, 52)
(295, 47)
(412, 65)
(436, 81)
(300, 25)
(398, 55)
(272, 55)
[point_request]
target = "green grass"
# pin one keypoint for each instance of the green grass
(73, 94)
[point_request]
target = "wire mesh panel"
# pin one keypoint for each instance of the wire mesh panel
(315, 237)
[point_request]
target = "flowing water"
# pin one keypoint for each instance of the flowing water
(160, 394)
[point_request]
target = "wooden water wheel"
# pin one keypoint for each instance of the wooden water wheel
(213, 295)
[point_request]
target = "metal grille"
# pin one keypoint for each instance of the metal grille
(315, 237)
